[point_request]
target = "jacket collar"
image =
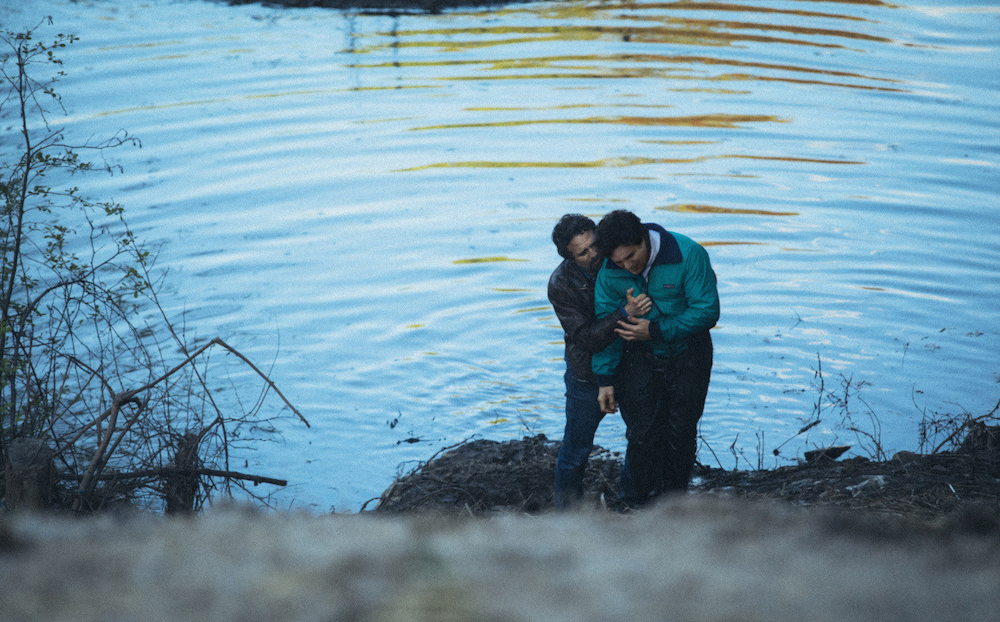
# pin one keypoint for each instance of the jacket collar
(574, 274)
(670, 251)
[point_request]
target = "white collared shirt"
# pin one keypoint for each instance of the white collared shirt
(654, 249)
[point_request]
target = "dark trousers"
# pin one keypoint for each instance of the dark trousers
(661, 401)
(583, 415)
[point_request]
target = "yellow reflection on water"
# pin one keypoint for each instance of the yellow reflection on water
(617, 163)
(746, 77)
(789, 159)
(740, 8)
(679, 142)
(485, 260)
(707, 25)
(562, 107)
(713, 33)
(704, 120)
(565, 10)
(712, 209)
(632, 72)
(602, 61)
(606, 162)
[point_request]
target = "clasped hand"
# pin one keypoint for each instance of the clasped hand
(634, 328)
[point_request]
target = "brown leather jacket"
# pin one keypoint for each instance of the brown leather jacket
(571, 292)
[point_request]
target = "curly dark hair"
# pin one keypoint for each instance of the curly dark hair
(568, 227)
(619, 228)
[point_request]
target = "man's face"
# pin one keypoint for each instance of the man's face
(633, 258)
(584, 252)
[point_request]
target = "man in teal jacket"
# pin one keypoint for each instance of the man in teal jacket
(660, 368)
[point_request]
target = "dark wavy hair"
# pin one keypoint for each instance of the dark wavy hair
(568, 227)
(619, 228)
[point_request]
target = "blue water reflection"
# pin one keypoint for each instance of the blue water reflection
(365, 202)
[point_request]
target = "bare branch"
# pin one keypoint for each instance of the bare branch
(165, 471)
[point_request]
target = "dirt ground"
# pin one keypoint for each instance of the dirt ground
(483, 477)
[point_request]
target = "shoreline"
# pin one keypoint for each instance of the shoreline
(483, 478)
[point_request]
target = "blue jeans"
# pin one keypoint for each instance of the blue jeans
(583, 415)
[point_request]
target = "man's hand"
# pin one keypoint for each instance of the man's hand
(606, 399)
(637, 306)
(633, 329)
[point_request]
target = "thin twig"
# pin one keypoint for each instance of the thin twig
(965, 425)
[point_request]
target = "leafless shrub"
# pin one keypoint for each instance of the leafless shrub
(89, 361)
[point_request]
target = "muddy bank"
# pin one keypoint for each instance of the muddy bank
(481, 477)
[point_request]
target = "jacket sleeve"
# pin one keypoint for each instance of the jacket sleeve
(573, 308)
(701, 291)
(606, 304)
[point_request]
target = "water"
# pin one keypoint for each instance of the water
(362, 204)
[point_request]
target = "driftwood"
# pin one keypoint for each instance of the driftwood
(29, 474)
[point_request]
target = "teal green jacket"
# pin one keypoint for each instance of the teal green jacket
(682, 287)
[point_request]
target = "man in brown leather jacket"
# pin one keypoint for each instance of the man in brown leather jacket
(571, 292)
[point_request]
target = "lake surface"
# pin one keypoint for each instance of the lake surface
(362, 204)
